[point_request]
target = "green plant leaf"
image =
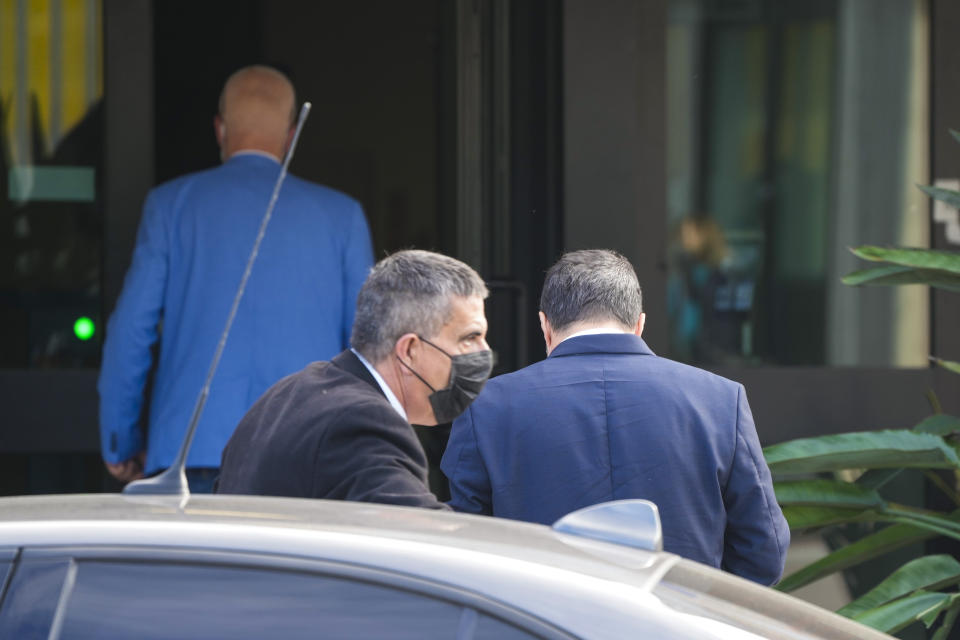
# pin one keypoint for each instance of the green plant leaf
(806, 517)
(948, 261)
(867, 548)
(934, 401)
(939, 425)
(827, 493)
(949, 619)
(929, 573)
(949, 365)
(948, 196)
(930, 523)
(861, 450)
(896, 615)
(833, 494)
(886, 274)
(955, 134)
(898, 275)
(931, 617)
(876, 478)
(945, 487)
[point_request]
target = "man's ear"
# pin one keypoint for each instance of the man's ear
(218, 129)
(407, 348)
(637, 330)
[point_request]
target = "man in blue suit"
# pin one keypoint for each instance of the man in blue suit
(603, 418)
(195, 236)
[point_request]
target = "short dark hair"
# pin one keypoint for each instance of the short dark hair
(409, 292)
(591, 285)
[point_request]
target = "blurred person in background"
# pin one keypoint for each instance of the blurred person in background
(192, 246)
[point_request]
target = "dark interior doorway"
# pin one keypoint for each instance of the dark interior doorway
(386, 128)
(383, 79)
(373, 71)
(387, 123)
(376, 87)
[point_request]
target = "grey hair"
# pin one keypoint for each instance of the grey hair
(409, 292)
(591, 285)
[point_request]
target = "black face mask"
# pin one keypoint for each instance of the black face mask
(468, 373)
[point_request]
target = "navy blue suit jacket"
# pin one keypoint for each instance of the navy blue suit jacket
(603, 418)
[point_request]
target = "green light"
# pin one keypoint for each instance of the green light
(84, 328)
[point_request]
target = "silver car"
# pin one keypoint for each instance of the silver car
(121, 566)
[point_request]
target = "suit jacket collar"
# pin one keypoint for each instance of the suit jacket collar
(350, 363)
(602, 343)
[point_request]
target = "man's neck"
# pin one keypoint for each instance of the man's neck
(592, 329)
(386, 379)
(253, 152)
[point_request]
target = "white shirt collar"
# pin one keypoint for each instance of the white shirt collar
(595, 331)
(254, 152)
(383, 385)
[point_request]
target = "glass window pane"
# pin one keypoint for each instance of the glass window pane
(51, 90)
(127, 600)
(494, 629)
(29, 606)
(5, 566)
(797, 129)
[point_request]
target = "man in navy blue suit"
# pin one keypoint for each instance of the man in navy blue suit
(603, 418)
(192, 247)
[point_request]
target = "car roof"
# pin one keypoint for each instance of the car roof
(58, 520)
(585, 586)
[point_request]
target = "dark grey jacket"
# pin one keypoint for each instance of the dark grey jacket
(327, 432)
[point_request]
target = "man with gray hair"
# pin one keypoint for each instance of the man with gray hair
(603, 418)
(341, 430)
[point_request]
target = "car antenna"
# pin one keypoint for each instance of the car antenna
(173, 481)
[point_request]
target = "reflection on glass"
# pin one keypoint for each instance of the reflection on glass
(710, 292)
(797, 129)
(157, 601)
(51, 89)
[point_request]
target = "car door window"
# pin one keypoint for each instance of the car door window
(69, 598)
(160, 600)
(489, 628)
(5, 566)
(31, 601)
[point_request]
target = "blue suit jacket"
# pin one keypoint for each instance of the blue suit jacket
(603, 418)
(195, 236)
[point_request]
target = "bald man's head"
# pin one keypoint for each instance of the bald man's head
(257, 107)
